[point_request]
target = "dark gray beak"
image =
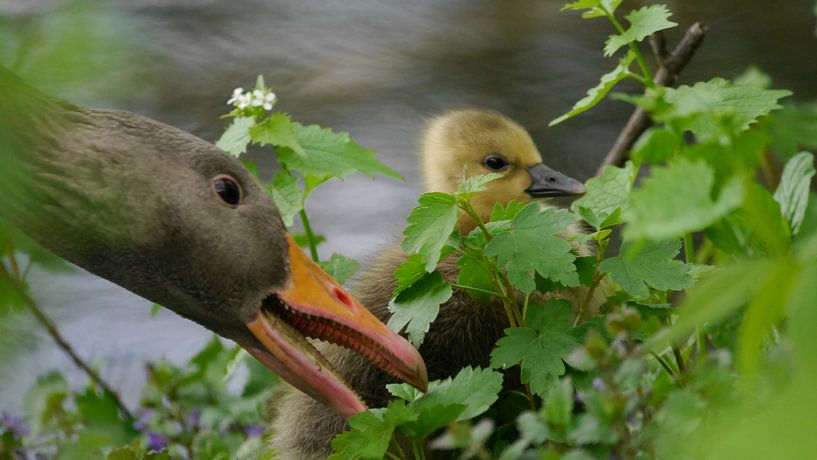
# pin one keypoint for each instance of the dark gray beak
(547, 182)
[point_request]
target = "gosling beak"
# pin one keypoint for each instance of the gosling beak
(545, 182)
(314, 305)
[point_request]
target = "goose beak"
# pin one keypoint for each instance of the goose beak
(546, 182)
(314, 305)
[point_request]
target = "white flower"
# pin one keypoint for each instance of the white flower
(269, 97)
(236, 95)
(255, 98)
(267, 106)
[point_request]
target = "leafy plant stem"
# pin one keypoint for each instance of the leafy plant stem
(666, 367)
(56, 335)
(465, 205)
(689, 249)
(647, 77)
(415, 448)
(597, 277)
(472, 288)
(310, 236)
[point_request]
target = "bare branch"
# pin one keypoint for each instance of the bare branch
(670, 65)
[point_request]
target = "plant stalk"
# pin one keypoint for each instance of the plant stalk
(310, 236)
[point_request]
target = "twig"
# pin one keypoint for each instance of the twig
(670, 65)
(55, 334)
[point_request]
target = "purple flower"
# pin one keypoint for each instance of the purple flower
(14, 424)
(254, 431)
(156, 441)
(598, 384)
(144, 418)
(193, 418)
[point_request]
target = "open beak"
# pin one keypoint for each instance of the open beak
(545, 182)
(314, 305)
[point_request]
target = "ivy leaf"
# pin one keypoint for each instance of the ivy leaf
(597, 93)
(596, 8)
(237, 136)
(277, 130)
(340, 267)
(792, 193)
(541, 347)
(648, 263)
(331, 154)
(677, 199)
(288, 197)
(606, 195)
(430, 224)
(416, 307)
(531, 246)
(643, 22)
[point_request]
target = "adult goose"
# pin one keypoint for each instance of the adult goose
(177, 221)
(466, 329)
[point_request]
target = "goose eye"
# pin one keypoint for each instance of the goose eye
(495, 162)
(227, 189)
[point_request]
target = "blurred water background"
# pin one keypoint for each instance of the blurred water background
(375, 69)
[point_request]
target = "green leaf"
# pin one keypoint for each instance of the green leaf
(502, 212)
(327, 153)
(237, 136)
(475, 184)
(597, 93)
(340, 267)
(531, 246)
(475, 275)
(100, 415)
(605, 195)
(409, 272)
(541, 347)
(756, 228)
(648, 263)
(154, 309)
(793, 128)
(656, 146)
(288, 197)
(677, 199)
(705, 107)
(793, 191)
(643, 23)
(370, 433)
(276, 130)
(429, 226)
(596, 8)
(754, 77)
(416, 307)
(475, 389)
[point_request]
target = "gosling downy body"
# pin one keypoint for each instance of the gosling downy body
(465, 330)
(177, 221)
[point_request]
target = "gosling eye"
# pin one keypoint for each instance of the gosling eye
(495, 162)
(226, 189)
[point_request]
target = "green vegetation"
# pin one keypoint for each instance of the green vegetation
(703, 346)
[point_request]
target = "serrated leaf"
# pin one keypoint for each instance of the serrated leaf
(502, 212)
(475, 275)
(370, 433)
(648, 263)
(287, 195)
(237, 136)
(793, 191)
(531, 246)
(474, 184)
(411, 270)
(597, 93)
(541, 347)
(793, 128)
(643, 23)
(705, 107)
(474, 388)
(677, 199)
(656, 146)
(276, 130)
(596, 8)
(430, 224)
(331, 154)
(340, 267)
(605, 195)
(416, 307)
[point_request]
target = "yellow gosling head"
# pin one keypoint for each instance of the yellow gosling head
(483, 142)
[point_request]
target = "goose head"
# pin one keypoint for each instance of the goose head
(177, 221)
(481, 142)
